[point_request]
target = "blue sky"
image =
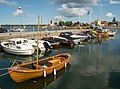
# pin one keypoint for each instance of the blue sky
(75, 10)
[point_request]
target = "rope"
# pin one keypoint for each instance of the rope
(4, 69)
(13, 63)
(4, 74)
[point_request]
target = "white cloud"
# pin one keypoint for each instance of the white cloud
(8, 2)
(110, 15)
(78, 2)
(73, 8)
(18, 12)
(114, 1)
(59, 17)
(68, 12)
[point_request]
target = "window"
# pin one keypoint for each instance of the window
(18, 42)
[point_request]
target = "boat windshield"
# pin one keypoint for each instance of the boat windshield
(12, 43)
(25, 41)
(18, 42)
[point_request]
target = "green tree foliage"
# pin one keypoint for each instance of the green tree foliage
(68, 23)
(61, 23)
(55, 23)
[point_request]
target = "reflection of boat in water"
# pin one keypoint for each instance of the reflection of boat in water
(42, 82)
(12, 57)
(43, 67)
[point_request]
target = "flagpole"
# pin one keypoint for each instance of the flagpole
(90, 16)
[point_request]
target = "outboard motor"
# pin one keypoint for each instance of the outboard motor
(47, 46)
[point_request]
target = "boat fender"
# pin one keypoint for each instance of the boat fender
(59, 61)
(15, 67)
(44, 73)
(65, 64)
(54, 71)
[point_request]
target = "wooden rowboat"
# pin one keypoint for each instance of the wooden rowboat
(26, 71)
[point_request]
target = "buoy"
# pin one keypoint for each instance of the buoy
(44, 73)
(65, 64)
(54, 71)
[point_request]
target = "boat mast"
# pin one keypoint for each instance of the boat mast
(47, 26)
(38, 34)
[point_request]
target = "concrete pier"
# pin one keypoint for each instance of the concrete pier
(9, 35)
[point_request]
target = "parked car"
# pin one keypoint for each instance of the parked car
(3, 30)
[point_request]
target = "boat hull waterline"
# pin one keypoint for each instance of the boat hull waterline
(19, 52)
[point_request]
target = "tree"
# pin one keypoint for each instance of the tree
(68, 23)
(55, 23)
(114, 20)
(61, 23)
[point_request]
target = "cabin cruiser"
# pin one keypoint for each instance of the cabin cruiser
(110, 33)
(54, 44)
(18, 46)
(63, 41)
(105, 32)
(71, 36)
(22, 46)
(42, 45)
(59, 41)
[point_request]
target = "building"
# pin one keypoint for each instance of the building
(104, 23)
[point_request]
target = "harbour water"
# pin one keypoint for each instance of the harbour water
(95, 65)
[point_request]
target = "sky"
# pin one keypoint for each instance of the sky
(27, 11)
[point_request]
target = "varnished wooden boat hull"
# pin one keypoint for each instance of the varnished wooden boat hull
(20, 75)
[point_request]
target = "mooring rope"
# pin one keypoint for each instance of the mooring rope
(13, 63)
(4, 74)
(6, 69)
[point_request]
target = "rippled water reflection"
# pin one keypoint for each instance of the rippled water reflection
(93, 66)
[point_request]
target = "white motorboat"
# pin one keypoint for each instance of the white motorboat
(18, 46)
(81, 37)
(110, 33)
(42, 45)
(71, 36)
